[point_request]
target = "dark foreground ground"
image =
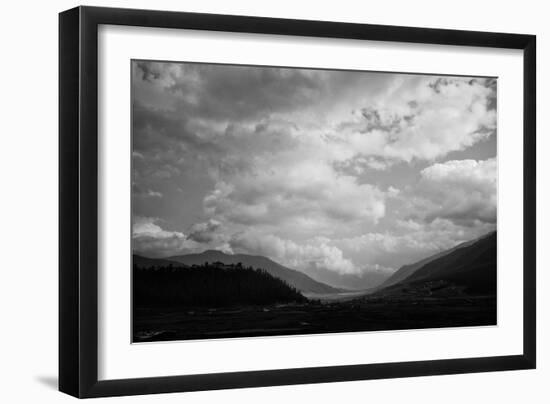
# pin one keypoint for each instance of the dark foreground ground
(368, 314)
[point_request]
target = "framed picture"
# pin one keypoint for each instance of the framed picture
(251, 202)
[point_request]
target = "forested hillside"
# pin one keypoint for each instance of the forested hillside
(209, 285)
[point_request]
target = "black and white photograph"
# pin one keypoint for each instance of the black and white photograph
(284, 201)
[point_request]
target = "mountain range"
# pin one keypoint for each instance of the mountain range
(296, 279)
(470, 265)
(145, 262)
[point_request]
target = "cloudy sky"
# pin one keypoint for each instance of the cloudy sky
(343, 175)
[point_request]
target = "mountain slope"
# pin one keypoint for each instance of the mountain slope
(472, 266)
(294, 278)
(407, 270)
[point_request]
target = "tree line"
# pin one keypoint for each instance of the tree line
(209, 285)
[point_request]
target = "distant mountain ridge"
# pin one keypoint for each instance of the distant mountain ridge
(471, 265)
(144, 262)
(294, 278)
(407, 270)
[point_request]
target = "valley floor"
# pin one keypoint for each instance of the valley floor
(328, 316)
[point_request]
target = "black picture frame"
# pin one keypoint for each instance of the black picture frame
(78, 203)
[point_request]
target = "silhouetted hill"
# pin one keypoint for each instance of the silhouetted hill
(471, 267)
(145, 263)
(407, 270)
(294, 278)
(209, 286)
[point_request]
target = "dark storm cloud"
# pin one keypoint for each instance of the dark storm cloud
(204, 232)
(492, 99)
(147, 70)
(237, 93)
(225, 92)
(156, 129)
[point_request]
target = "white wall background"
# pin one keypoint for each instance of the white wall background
(28, 170)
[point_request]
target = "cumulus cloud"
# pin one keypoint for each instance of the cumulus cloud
(144, 193)
(462, 191)
(205, 232)
(305, 194)
(408, 241)
(317, 253)
(149, 238)
(412, 117)
(423, 118)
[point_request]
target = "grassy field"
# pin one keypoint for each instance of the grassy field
(374, 313)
